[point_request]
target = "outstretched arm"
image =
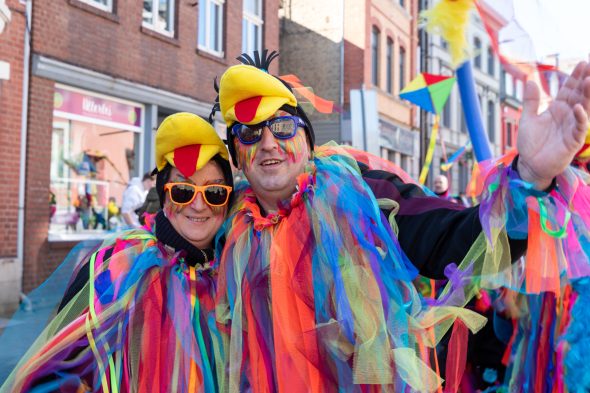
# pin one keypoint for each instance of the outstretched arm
(547, 142)
(432, 232)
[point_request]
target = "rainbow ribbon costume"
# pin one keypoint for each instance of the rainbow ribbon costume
(319, 296)
(322, 291)
(143, 320)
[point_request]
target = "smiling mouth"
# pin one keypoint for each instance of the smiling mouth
(197, 219)
(270, 162)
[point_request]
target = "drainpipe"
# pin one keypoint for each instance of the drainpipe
(23, 134)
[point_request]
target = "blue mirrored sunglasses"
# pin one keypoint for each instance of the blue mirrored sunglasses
(283, 127)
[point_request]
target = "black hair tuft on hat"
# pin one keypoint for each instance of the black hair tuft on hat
(260, 62)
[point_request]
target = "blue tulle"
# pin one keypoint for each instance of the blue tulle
(577, 359)
(28, 322)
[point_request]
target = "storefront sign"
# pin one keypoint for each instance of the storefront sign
(401, 140)
(88, 107)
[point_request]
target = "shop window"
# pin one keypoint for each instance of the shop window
(105, 5)
(211, 26)
(95, 151)
(252, 26)
(159, 16)
(406, 163)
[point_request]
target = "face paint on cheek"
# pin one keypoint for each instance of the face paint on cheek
(294, 147)
(218, 210)
(246, 154)
(172, 209)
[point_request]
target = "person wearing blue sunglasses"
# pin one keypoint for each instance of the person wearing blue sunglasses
(322, 244)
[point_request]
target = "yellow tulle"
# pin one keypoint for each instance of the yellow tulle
(449, 19)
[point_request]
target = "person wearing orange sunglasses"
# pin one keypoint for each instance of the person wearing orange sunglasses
(139, 315)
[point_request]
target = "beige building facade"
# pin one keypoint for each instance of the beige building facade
(339, 46)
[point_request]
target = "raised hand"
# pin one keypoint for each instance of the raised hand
(547, 142)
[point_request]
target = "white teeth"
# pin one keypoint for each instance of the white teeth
(198, 219)
(270, 162)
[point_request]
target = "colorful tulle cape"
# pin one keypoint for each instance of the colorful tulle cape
(549, 348)
(143, 322)
(319, 295)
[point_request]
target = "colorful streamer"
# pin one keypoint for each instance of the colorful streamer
(430, 152)
(320, 104)
(456, 155)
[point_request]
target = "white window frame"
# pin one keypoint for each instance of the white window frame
(257, 21)
(518, 89)
(213, 51)
(153, 26)
(108, 7)
(509, 87)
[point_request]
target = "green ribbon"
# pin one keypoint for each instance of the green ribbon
(559, 233)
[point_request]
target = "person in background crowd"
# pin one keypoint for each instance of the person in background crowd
(133, 197)
(52, 204)
(150, 205)
(441, 186)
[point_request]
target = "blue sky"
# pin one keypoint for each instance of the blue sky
(554, 26)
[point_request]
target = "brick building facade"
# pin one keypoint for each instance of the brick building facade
(11, 102)
(336, 47)
(103, 74)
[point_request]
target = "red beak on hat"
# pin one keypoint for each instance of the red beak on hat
(246, 110)
(185, 159)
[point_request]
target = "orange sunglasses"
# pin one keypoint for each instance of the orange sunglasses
(183, 194)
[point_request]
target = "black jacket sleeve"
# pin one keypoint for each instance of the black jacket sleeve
(80, 281)
(433, 232)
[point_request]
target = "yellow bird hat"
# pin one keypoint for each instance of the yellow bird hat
(187, 142)
(248, 94)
